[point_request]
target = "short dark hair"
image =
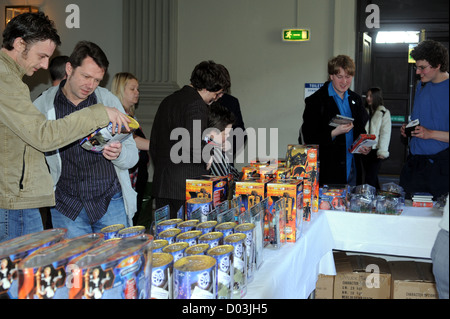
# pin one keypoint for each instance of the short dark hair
(32, 28)
(220, 116)
(83, 49)
(210, 76)
(57, 67)
(432, 51)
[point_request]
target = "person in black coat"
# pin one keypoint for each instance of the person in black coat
(176, 143)
(337, 164)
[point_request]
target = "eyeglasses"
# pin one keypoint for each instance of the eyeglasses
(421, 67)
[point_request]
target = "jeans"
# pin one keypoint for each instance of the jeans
(16, 223)
(81, 225)
(439, 255)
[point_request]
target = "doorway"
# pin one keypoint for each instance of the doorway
(385, 65)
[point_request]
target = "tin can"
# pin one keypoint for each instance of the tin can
(118, 269)
(248, 229)
(43, 274)
(167, 224)
(176, 250)
(224, 254)
(195, 278)
(226, 228)
(111, 231)
(15, 250)
(239, 263)
(190, 237)
(206, 227)
(162, 273)
(213, 239)
(198, 249)
(159, 244)
(131, 231)
(195, 203)
(170, 235)
(187, 225)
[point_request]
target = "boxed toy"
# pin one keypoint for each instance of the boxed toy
(252, 191)
(302, 159)
(333, 197)
(249, 171)
(292, 191)
(208, 186)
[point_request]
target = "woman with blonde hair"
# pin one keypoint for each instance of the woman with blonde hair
(126, 87)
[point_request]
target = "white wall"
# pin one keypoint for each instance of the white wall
(268, 75)
(100, 22)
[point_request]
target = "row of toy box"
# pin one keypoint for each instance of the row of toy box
(46, 265)
(367, 277)
(361, 199)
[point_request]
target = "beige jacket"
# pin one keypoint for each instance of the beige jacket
(25, 181)
(381, 126)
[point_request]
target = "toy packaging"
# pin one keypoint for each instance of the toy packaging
(207, 186)
(292, 191)
(333, 197)
(252, 191)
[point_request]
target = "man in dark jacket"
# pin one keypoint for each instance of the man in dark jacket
(337, 164)
(176, 144)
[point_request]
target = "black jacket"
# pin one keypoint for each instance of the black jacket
(178, 111)
(320, 108)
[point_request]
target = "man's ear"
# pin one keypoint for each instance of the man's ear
(19, 44)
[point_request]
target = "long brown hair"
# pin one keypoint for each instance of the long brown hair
(377, 99)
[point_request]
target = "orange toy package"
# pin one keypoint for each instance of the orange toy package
(252, 191)
(301, 159)
(292, 191)
(208, 186)
(248, 171)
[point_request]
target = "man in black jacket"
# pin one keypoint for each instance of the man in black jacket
(176, 144)
(337, 164)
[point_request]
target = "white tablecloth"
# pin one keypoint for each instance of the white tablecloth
(410, 234)
(291, 271)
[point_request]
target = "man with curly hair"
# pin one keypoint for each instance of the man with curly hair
(426, 169)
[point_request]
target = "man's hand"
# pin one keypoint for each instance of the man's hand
(112, 151)
(341, 129)
(117, 119)
(365, 150)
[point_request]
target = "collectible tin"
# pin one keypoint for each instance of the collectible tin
(191, 237)
(162, 272)
(198, 249)
(167, 224)
(187, 225)
(248, 229)
(224, 254)
(176, 250)
(205, 204)
(226, 228)
(131, 231)
(195, 278)
(213, 239)
(170, 235)
(111, 231)
(206, 227)
(239, 263)
(159, 244)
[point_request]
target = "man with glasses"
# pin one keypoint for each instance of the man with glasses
(176, 135)
(426, 169)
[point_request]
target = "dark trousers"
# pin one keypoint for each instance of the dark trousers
(174, 204)
(371, 165)
(426, 173)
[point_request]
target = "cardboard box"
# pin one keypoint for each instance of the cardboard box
(252, 191)
(362, 277)
(412, 280)
(324, 287)
(214, 187)
(292, 190)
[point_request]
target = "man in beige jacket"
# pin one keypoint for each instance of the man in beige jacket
(29, 41)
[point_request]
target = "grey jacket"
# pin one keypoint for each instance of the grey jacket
(127, 159)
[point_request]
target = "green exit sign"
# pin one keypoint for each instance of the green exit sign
(296, 35)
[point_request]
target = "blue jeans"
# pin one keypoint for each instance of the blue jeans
(439, 255)
(81, 225)
(16, 223)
